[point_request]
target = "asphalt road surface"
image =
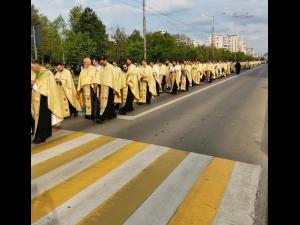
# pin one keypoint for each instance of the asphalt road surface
(227, 118)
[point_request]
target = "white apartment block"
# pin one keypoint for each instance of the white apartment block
(163, 32)
(197, 43)
(234, 43)
(251, 52)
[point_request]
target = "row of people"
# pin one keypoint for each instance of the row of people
(102, 86)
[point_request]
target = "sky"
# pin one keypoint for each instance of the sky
(248, 18)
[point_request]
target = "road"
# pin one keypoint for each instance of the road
(227, 118)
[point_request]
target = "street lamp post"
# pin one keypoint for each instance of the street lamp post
(34, 42)
(144, 30)
(212, 37)
(62, 49)
(60, 32)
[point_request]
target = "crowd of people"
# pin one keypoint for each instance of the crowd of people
(104, 88)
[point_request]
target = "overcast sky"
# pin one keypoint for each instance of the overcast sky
(248, 18)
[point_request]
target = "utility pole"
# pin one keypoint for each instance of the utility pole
(61, 36)
(144, 30)
(235, 47)
(212, 37)
(34, 42)
(62, 49)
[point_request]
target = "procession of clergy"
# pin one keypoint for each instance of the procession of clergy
(102, 86)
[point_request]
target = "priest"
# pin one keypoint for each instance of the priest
(86, 90)
(108, 80)
(163, 73)
(155, 72)
(147, 83)
(129, 88)
(63, 77)
(194, 73)
(46, 103)
(174, 78)
(118, 71)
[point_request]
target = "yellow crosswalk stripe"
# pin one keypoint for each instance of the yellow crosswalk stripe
(59, 160)
(200, 205)
(51, 199)
(57, 141)
(121, 205)
(78, 183)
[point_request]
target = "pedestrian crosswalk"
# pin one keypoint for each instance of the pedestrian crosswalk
(84, 178)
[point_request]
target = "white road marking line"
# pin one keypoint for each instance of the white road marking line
(163, 202)
(62, 173)
(238, 203)
(126, 117)
(73, 210)
(180, 98)
(61, 148)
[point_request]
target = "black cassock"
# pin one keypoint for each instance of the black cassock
(157, 88)
(149, 95)
(72, 108)
(95, 105)
(44, 128)
(174, 90)
(128, 107)
(109, 111)
(163, 83)
(238, 67)
(187, 85)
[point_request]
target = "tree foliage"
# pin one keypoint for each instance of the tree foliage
(78, 46)
(85, 36)
(74, 17)
(118, 47)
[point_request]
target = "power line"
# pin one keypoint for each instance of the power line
(173, 19)
(135, 6)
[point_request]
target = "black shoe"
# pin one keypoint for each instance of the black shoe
(122, 113)
(113, 117)
(38, 141)
(89, 117)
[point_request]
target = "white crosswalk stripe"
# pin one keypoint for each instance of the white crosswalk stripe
(81, 185)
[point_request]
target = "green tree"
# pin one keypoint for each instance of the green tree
(74, 17)
(53, 44)
(90, 24)
(160, 46)
(39, 19)
(35, 17)
(86, 37)
(135, 46)
(59, 28)
(119, 47)
(78, 46)
(60, 24)
(135, 36)
(135, 51)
